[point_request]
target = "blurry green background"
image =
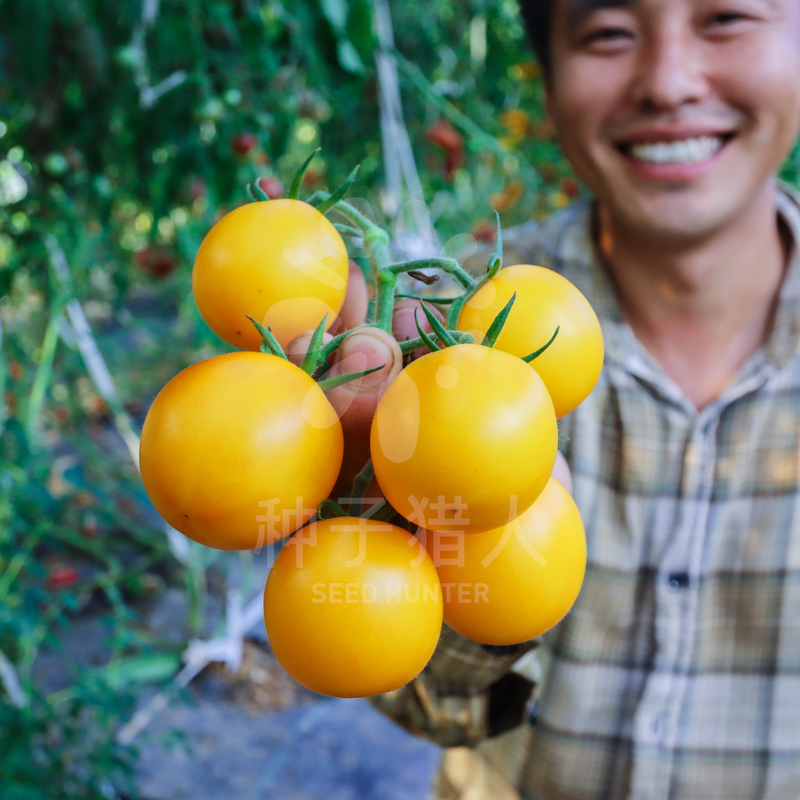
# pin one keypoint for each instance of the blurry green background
(125, 129)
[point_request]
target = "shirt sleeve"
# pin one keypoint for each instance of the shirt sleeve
(465, 694)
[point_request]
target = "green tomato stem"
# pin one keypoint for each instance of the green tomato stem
(382, 512)
(329, 505)
(384, 300)
(360, 485)
(449, 265)
(410, 345)
(362, 222)
(436, 301)
(347, 229)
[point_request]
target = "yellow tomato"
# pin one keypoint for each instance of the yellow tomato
(517, 581)
(281, 262)
(464, 438)
(545, 300)
(351, 609)
(237, 451)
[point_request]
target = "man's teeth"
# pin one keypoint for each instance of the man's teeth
(681, 152)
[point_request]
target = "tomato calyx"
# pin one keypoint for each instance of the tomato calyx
(325, 205)
(313, 359)
(537, 353)
(314, 346)
(496, 328)
(441, 335)
(270, 344)
(257, 193)
(297, 181)
(492, 268)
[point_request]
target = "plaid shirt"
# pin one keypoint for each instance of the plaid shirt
(677, 673)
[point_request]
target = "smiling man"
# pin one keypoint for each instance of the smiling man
(677, 674)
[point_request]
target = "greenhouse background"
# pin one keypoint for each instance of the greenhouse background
(126, 129)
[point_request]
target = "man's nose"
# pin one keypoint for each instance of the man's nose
(671, 72)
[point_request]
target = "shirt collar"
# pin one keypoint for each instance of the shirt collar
(578, 246)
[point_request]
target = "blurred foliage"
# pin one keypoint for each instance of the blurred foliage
(125, 128)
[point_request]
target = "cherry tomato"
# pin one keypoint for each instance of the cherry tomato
(465, 438)
(237, 451)
(545, 300)
(280, 261)
(519, 580)
(353, 607)
(272, 186)
(243, 143)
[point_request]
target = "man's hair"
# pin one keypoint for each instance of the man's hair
(536, 15)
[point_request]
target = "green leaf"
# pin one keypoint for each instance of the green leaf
(441, 332)
(332, 383)
(297, 181)
(349, 59)
(496, 328)
(271, 344)
(541, 350)
(429, 343)
(336, 12)
(326, 205)
(314, 346)
(141, 669)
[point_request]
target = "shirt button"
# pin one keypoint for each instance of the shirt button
(678, 580)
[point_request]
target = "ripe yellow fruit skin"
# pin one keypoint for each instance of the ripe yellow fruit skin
(545, 301)
(281, 262)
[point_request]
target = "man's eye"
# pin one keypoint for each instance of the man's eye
(607, 34)
(603, 36)
(726, 17)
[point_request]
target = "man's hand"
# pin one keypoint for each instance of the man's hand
(355, 402)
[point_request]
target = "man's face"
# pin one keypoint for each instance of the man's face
(675, 113)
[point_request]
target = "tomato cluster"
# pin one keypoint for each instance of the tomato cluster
(243, 449)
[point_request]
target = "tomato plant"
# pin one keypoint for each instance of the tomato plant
(351, 609)
(235, 438)
(545, 301)
(281, 262)
(244, 449)
(517, 581)
(464, 425)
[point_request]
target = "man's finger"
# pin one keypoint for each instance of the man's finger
(354, 309)
(562, 473)
(403, 324)
(355, 402)
(296, 349)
